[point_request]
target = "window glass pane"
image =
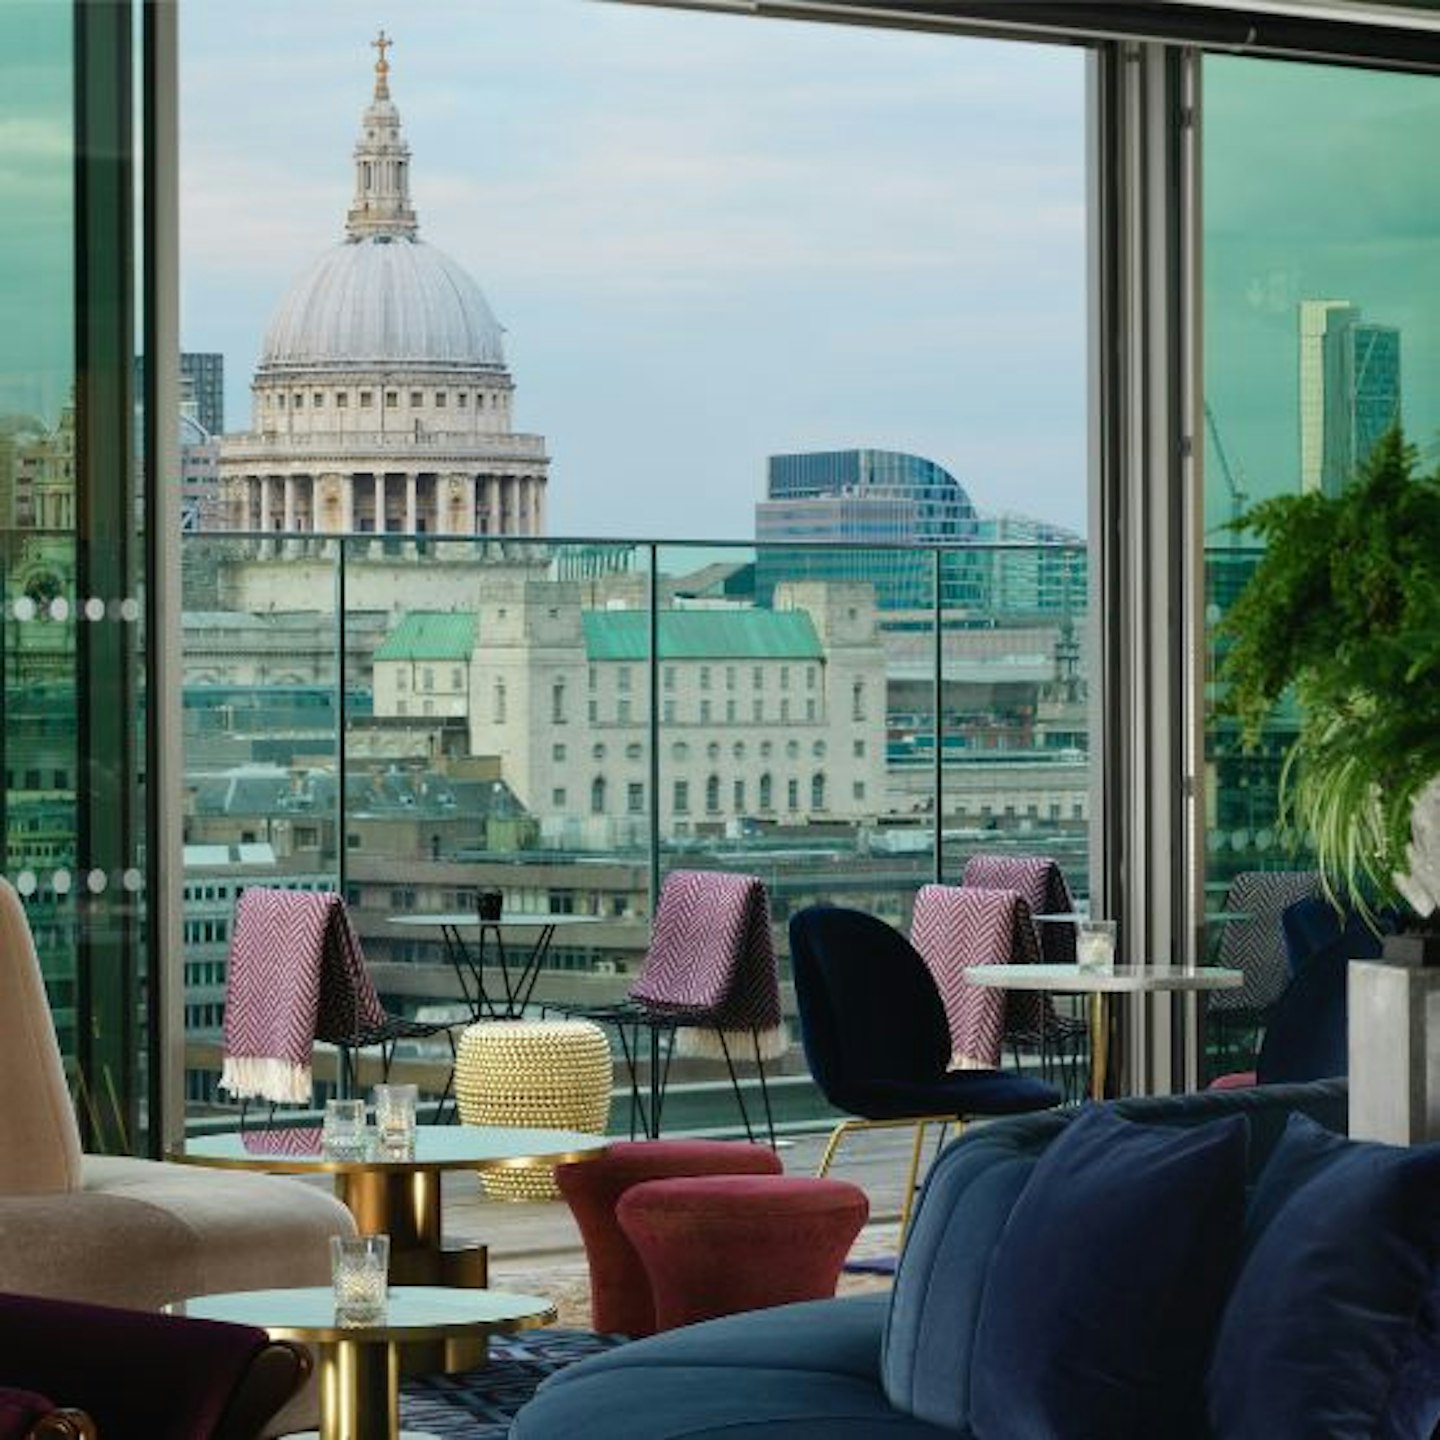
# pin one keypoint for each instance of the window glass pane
(1322, 328)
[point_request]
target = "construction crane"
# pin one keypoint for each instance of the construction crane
(1234, 476)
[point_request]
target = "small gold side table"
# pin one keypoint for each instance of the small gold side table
(549, 1073)
(359, 1366)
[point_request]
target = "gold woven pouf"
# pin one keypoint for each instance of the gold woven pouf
(554, 1074)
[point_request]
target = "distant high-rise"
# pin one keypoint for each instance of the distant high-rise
(1349, 391)
(202, 379)
(865, 497)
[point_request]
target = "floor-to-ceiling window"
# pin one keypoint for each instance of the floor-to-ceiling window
(72, 462)
(754, 289)
(1322, 329)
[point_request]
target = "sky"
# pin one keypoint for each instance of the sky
(709, 238)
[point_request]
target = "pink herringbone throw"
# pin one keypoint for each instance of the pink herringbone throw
(712, 958)
(954, 927)
(296, 975)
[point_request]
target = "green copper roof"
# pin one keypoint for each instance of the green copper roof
(430, 635)
(702, 635)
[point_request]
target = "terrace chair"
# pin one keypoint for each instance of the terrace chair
(877, 1039)
(1254, 944)
(1031, 1020)
(710, 972)
(297, 975)
(957, 926)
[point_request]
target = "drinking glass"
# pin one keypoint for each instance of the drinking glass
(395, 1118)
(359, 1272)
(344, 1136)
(1095, 944)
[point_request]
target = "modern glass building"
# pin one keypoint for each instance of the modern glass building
(871, 498)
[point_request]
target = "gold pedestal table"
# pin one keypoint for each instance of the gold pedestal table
(399, 1196)
(360, 1365)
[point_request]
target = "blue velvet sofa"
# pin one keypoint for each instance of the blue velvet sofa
(1142, 1270)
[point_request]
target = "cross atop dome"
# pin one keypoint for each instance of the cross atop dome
(381, 207)
(382, 42)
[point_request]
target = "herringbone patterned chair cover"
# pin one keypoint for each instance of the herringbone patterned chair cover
(712, 958)
(1255, 945)
(1040, 882)
(954, 927)
(296, 975)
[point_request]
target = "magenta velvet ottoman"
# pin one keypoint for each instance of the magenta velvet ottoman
(620, 1299)
(717, 1244)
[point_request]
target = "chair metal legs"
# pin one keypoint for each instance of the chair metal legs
(920, 1124)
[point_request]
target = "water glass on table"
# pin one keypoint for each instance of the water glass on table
(1095, 945)
(395, 1120)
(359, 1272)
(344, 1134)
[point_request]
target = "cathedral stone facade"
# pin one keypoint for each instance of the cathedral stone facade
(382, 403)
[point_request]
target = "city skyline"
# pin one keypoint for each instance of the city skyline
(686, 282)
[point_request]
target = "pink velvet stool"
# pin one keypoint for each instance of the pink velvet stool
(717, 1244)
(620, 1299)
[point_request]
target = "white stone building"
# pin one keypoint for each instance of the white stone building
(382, 403)
(774, 715)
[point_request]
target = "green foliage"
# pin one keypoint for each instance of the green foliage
(1344, 608)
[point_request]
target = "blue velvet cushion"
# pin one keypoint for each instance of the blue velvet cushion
(935, 1301)
(1107, 1282)
(1330, 1329)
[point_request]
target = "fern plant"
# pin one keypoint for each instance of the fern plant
(1344, 610)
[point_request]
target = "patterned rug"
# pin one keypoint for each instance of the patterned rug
(478, 1404)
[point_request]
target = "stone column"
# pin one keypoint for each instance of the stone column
(492, 505)
(1394, 1020)
(290, 545)
(411, 514)
(267, 546)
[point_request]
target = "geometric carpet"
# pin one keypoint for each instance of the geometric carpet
(477, 1404)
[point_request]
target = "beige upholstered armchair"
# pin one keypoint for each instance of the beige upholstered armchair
(118, 1230)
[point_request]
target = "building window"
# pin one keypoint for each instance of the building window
(634, 751)
(712, 795)
(416, 399)
(557, 752)
(809, 709)
(757, 710)
(792, 795)
(784, 711)
(809, 677)
(557, 703)
(817, 792)
(597, 795)
(784, 677)
(427, 678)
(597, 752)
(392, 399)
(738, 792)
(712, 751)
(462, 399)
(757, 678)
(499, 702)
(767, 749)
(622, 679)
(682, 797)
(668, 677)
(792, 749)
(402, 679)
(729, 712)
(858, 790)
(818, 749)
(859, 749)
(402, 707)
(439, 399)
(738, 750)
(342, 401)
(317, 400)
(622, 712)
(857, 701)
(457, 679)
(592, 711)
(680, 752)
(366, 400)
(704, 677)
(669, 712)
(704, 712)
(635, 797)
(766, 796)
(557, 799)
(729, 677)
